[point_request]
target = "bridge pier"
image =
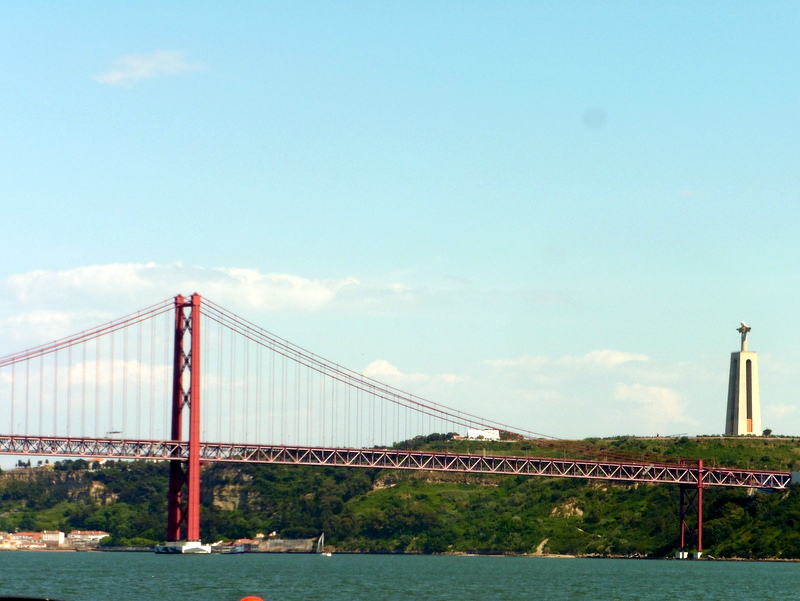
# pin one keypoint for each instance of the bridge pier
(184, 473)
(691, 500)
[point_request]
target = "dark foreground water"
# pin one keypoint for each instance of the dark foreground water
(145, 576)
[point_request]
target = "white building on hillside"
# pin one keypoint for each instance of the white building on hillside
(483, 434)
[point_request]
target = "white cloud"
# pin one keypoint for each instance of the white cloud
(385, 372)
(273, 291)
(593, 394)
(601, 358)
(778, 411)
(53, 321)
(603, 392)
(382, 368)
(146, 283)
(570, 396)
(131, 68)
(49, 304)
(657, 405)
(609, 358)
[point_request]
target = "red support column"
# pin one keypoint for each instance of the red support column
(682, 518)
(193, 470)
(691, 498)
(176, 475)
(178, 511)
(700, 506)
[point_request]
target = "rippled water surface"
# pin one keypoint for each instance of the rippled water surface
(144, 576)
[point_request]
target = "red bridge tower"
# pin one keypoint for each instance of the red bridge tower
(183, 503)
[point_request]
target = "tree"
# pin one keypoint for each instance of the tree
(767, 432)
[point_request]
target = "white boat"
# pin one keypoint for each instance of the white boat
(321, 546)
(184, 547)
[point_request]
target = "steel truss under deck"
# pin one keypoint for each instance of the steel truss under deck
(685, 474)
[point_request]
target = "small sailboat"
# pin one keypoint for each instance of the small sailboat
(321, 546)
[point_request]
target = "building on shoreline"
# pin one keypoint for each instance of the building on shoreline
(85, 539)
(51, 539)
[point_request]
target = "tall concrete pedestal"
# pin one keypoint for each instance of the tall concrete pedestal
(744, 401)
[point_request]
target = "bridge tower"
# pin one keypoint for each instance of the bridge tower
(184, 473)
(744, 401)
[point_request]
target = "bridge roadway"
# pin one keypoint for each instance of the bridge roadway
(660, 473)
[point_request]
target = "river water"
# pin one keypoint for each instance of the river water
(275, 577)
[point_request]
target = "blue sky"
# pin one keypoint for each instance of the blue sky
(553, 214)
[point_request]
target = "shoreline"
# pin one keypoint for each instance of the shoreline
(708, 558)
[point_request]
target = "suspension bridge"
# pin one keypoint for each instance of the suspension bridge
(133, 388)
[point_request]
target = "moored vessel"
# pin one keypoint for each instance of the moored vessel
(184, 547)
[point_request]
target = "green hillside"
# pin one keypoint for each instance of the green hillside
(424, 512)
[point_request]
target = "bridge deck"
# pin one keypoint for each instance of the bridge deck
(661, 473)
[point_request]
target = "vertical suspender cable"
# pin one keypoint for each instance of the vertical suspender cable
(139, 381)
(220, 378)
(308, 406)
(347, 418)
(166, 393)
(124, 428)
(231, 406)
(383, 435)
(97, 387)
(399, 426)
(296, 403)
(334, 440)
(41, 395)
(359, 442)
(322, 405)
(359, 417)
(55, 394)
(110, 400)
(152, 409)
(233, 382)
(204, 377)
(246, 360)
(27, 394)
(13, 386)
(69, 390)
(83, 426)
(258, 407)
(272, 397)
(283, 399)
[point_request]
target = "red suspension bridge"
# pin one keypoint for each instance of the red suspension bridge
(131, 389)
